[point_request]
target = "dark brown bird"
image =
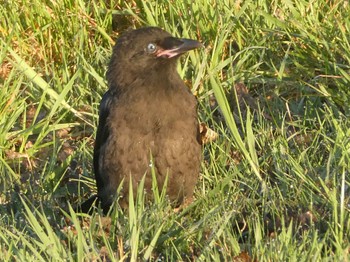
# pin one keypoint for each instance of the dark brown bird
(148, 117)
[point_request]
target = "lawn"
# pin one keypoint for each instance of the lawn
(273, 83)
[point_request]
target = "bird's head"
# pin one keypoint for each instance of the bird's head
(147, 50)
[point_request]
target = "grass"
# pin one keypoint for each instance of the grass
(274, 186)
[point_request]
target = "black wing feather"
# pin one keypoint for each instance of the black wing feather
(101, 137)
(102, 131)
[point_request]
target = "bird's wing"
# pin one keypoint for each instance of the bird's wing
(101, 137)
(102, 130)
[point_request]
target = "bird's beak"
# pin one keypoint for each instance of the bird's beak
(178, 46)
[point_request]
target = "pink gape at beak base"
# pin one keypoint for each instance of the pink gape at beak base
(187, 45)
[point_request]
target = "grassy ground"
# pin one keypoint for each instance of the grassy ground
(275, 184)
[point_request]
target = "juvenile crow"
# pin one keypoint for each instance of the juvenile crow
(148, 117)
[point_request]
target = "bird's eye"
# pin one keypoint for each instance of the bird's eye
(151, 48)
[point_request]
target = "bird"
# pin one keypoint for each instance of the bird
(147, 119)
